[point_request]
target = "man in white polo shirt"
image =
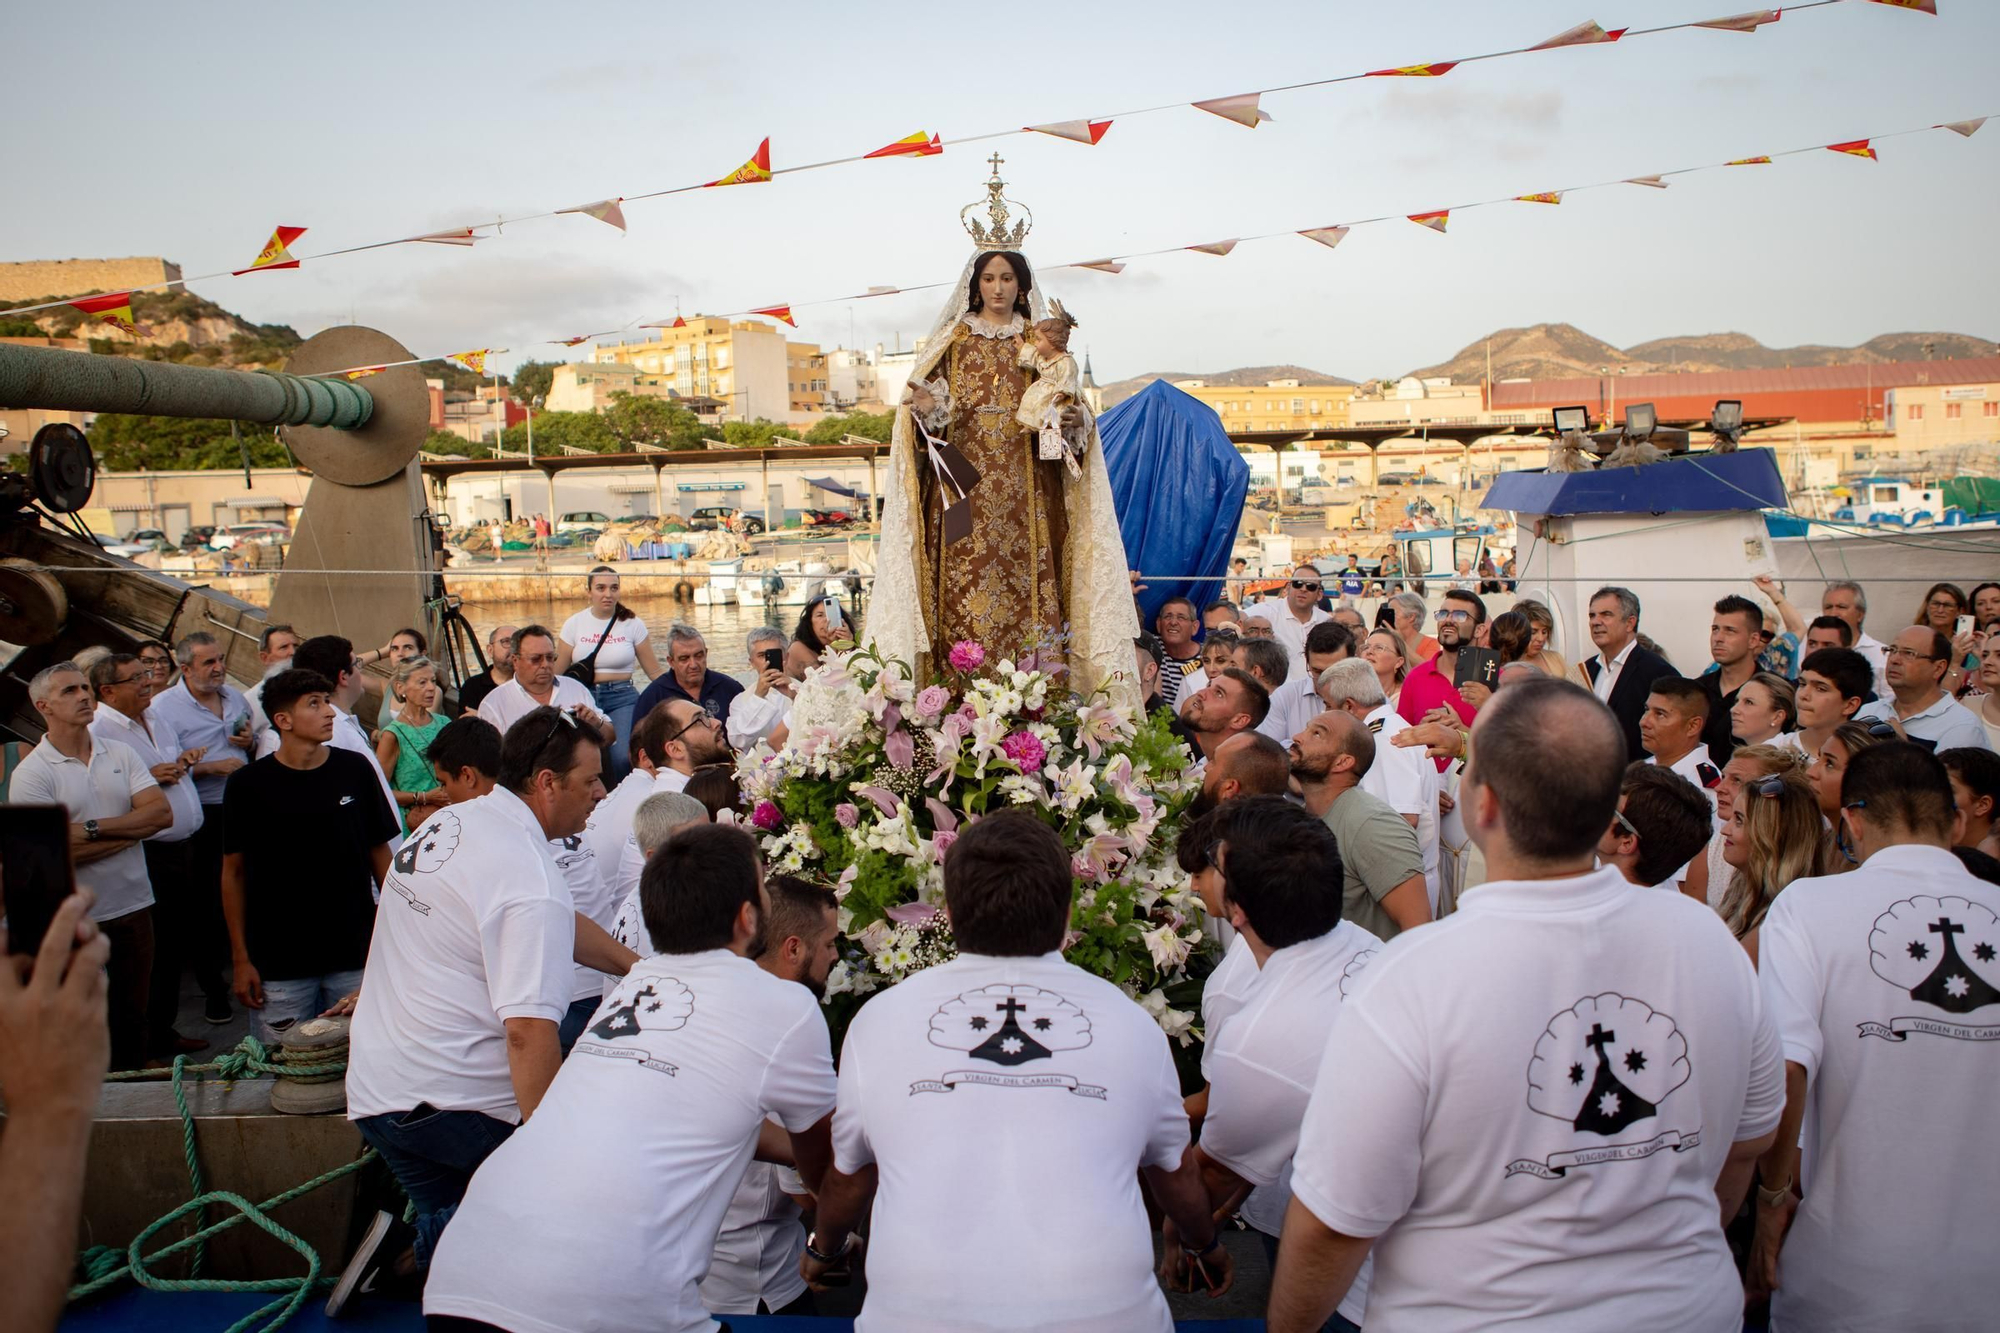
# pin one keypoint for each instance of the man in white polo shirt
(536, 685)
(1885, 986)
(1261, 1059)
(660, 816)
(1292, 616)
(1916, 666)
(114, 805)
(602, 1211)
(469, 973)
(1537, 1111)
(1008, 1103)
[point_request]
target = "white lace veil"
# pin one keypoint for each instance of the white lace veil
(957, 304)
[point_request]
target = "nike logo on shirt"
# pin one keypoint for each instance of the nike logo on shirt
(347, 800)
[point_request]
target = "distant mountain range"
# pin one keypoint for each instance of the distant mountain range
(1561, 351)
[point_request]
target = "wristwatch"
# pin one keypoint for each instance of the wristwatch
(90, 833)
(813, 1251)
(1774, 1198)
(1202, 1252)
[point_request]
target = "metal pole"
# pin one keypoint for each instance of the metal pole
(47, 377)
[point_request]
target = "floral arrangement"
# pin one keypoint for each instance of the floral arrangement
(879, 774)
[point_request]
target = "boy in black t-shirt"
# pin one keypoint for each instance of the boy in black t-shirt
(305, 837)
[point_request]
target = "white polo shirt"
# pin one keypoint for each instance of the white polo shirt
(1527, 1105)
(154, 747)
(1293, 704)
(1262, 1062)
(580, 872)
(753, 718)
(1408, 783)
(757, 1251)
(511, 702)
(1009, 1104)
(1877, 653)
(475, 927)
(1287, 628)
(602, 1211)
(1885, 985)
(103, 789)
(1945, 724)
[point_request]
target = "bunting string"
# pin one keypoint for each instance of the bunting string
(1241, 108)
(1329, 236)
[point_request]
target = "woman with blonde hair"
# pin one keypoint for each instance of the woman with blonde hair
(1542, 623)
(1773, 837)
(1765, 709)
(1386, 651)
(1828, 768)
(1708, 876)
(402, 746)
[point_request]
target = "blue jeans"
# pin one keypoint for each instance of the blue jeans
(575, 1019)
(433, 1154)
(291, 1002)
(616, 699)
(1335, 1322)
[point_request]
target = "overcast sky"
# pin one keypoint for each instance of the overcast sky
(189, 132)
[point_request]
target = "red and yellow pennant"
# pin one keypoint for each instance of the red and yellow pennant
(1545, 197)
(910, 145)
(1587, 33)
(572, 342)
(1435, 221)
(1111, 266)
(276, 252)
(1921, 6)
(781, 313)
(1435, 70)
(474, 361)
(756, 171)
(114, 308)
(1854, 148)
(1076, 131)
(363, 372)
(1760, 161)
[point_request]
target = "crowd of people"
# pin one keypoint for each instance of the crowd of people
(1461, 1067)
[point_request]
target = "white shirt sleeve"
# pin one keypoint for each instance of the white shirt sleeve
(529, 946)
(752, 719)
(31, 785)
(851, 1148)
(1764, 1094)
(142, 776)
(489, 710)
(799, 1085)
(1168, 1142)
(1361, 1144)
(1253, 1118)
(1792, 990)
(1403, 785)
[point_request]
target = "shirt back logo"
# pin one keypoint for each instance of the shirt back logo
(642, 1007)
(1009, 1026)
(1605, 1064)
(1944, 952)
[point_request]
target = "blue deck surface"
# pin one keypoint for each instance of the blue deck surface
(211, 1312)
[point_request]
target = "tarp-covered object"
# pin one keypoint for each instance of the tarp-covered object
(1179, 486)
(1975, 495)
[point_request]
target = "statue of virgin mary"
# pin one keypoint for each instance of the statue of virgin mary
(1042, 563)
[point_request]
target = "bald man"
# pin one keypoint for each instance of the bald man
(1379, 853)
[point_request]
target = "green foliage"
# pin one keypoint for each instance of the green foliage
(21, 328)
(553, 430)
(758, 434)
(635, 420)
(126, 443)
(532, 380)
(869, 425)
(444, 442)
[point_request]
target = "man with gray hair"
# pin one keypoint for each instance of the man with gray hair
(1271, 666)
(1401, 776)
(688, 676)
(1623, 672)
(1410, 613)
(1846, 600)
(766, 705)
(658, 818)
(114, 805)
(500, 653)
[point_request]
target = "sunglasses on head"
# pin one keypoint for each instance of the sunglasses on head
(1625, 823)
(1766, 786)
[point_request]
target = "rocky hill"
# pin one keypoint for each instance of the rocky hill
(1120, 390)
(1558, 351)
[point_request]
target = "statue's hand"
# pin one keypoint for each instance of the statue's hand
(920, 398)
(1072, 418)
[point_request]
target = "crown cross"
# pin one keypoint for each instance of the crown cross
(996, 233)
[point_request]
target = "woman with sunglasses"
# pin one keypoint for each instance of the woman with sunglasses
(1764, 709)
(1708, 876)
(1773, 836)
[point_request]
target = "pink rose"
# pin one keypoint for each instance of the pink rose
(941, 842)
(1025, 750)
(846, 815)
(933, 700)
(768, 816)
(967, 656)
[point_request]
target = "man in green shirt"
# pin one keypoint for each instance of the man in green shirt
(1383, 863)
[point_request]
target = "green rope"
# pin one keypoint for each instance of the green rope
(104, 1265)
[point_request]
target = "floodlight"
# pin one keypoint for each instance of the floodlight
(1572, 420)
(1640, 420)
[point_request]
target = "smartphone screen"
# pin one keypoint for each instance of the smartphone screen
(35, 871)
(774, 659)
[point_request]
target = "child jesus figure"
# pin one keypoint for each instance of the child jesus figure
(1056, 386)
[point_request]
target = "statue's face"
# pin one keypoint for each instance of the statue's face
(998, 287)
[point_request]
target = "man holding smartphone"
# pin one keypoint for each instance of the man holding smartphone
(766, 705)
(114, 804)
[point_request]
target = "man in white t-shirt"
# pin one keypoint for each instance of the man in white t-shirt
(1885, 986)
(1292, 616)
(1007, 1102)
(602, 1211)
(1401, 775)
(536, 685)
(755, 1267)
(1661, 825)
(1537, 1111)
(469, 973)
(660, 816)
(1261, 1057)
(766, 704)
(1292, 703)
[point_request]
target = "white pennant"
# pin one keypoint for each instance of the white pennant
(458, 236)
(1750, 22)
(1653, 181)
(1215, 247)
(1103, 266)
(604, 210)
(1242, 109)
(1326, 236)
(1583, 34)
(1076, 131)
(1968, 128)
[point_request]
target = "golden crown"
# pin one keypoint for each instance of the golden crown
(995, 233)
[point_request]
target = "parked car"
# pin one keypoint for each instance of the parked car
(196, 537)
(726, 517)
(123, 550)
(236, 533)
(578, 520)
(145, 536)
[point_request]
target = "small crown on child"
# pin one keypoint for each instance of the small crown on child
(1057, 326)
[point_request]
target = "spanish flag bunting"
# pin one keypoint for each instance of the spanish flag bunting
(1432, 71)
(1968, 128)
(1760, 161)
(1654, 181)
(1922, 6)
(1242, 109)
(1854, 148)
(474, 361)
(363, 372)
(1215, 247)
(1076, 131)
(275, 253)
(782, 313)
(754, 172)
(1749, 22)
(679, 323)
(1435, 221)
(113, 308)
(1545, 197)
(604, 210)
(1587, 33)
(456, 236)
(1103, 266)
(910, 145)
(1326, 236)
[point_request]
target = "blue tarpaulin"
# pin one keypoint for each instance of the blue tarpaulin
(1690, 483)
(1179, 486)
